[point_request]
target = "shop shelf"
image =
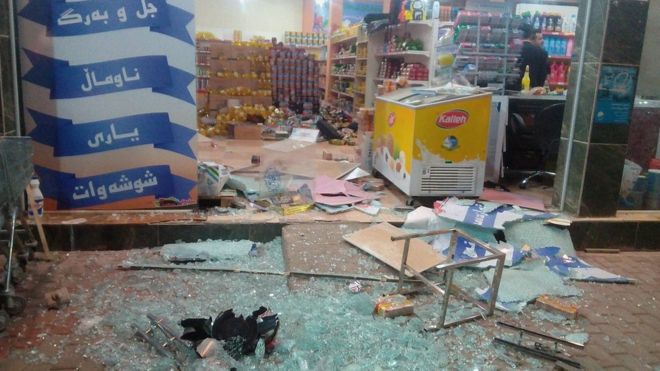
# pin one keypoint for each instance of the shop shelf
(560, 57)
(344, 57)
(343, 76)
(552, 33)
(411, 23)
(344, 39)
(343, 94)
(405, 54)
(488, 54)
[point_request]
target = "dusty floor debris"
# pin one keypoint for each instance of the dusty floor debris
(57, 299)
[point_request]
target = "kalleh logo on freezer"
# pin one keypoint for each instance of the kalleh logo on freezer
(452, 119)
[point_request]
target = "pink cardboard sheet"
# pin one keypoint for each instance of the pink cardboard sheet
(512, 199)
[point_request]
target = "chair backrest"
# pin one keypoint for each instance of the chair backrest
(547, 128)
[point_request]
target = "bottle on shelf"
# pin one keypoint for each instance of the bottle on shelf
(569, 47)
(435, 14)
(537, 21)
(573, 23)
(561, 76)
(525, 80)
(552, 79)
(551, 45)
(37, 196)
(560, 24)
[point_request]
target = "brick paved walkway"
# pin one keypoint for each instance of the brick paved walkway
(623, 321)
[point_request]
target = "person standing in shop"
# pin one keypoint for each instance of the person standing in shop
(533, 55)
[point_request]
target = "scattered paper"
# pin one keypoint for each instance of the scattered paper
(356, 174)
(369, 209)
(287, 145)
(305, 135)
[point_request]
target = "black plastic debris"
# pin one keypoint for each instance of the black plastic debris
(240, 335)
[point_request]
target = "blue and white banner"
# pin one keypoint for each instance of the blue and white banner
(66, 81)
(88, 17)
(109, 86)
(68, 139)
(73, 193)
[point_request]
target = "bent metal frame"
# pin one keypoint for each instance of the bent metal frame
(448, 271)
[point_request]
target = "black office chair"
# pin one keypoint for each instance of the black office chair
(546, 133)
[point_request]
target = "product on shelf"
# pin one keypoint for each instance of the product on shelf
(295, 78)
(233, 72)
(397, 43)
(343, 69)
(488, 47)
(414, 71)
(305, 39)
(344, 33)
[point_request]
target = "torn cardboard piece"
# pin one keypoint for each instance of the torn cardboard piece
(376, 241)
(509, 198)
(211, 178)
(477, 214)
(577, 269)
(333, 192)
(467, 250)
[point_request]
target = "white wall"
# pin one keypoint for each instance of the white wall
(269, 18)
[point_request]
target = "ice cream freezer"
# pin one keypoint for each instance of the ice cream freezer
(430, 143)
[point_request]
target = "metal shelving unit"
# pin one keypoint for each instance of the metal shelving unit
(486, 28)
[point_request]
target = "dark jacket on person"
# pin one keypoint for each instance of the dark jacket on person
(537, 59)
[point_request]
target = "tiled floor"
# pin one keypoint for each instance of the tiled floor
(623, 321)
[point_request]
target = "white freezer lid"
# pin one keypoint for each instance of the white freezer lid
(423, 97)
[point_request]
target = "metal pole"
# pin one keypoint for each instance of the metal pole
(578, 85)
(404, 259)
(449, 276)
(495, 285)
(11, 248)
(14, 66)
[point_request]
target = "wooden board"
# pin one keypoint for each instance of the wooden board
(376, 241)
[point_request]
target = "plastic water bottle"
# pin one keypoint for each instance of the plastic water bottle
(38, 198)
(435, 14)
(552, 46)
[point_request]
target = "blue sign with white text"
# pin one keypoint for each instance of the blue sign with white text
(68, 139)
(66, 81)
(73, 193)
(88, 17)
